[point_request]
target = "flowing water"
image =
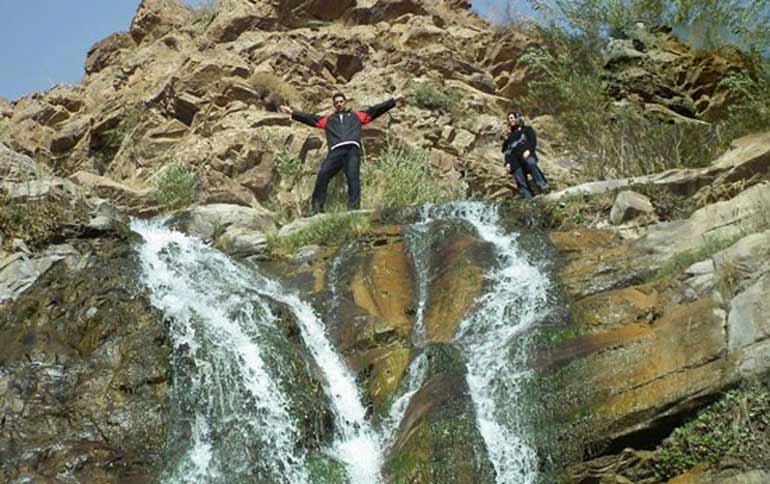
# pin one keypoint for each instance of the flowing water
(231, 417)
(515, 300)
(225, 395)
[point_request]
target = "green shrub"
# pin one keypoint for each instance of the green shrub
(105, 145)
(176, 186)
(430, 96)
(750, 110)
(326, 229)
(402, 176)
(613, 141)
(288, 165)
(274, 90)
(683, 260)
(738, 426)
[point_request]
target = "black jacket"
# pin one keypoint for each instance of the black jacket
(519, 141)
(344, 127)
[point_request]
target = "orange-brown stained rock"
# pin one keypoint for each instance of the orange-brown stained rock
(383, 287)
(609, 309)
(454, 288)
(659, 366)
(387, 366)
(601, 267)
(580, 239)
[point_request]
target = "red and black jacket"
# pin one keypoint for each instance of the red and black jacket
(345, 127)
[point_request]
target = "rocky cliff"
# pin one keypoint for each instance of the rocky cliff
(662, 298)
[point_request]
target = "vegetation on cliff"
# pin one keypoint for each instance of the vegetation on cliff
(621, 130)
(736, 427)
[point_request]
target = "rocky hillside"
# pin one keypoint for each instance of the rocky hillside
(199, 88)
(662, 280)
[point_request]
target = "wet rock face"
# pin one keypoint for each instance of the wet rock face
(439, 440)
(458, 262)
(83, 374)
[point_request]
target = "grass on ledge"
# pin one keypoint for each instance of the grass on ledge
(327, 229)
(683, 260)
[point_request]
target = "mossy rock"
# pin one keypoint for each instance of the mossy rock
(86, 361)
(438, 440)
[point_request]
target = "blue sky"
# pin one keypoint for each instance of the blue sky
(44, 42)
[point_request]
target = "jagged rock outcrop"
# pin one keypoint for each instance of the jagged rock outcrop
(666, 78)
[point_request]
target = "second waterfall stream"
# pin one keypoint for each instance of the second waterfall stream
(232, 419)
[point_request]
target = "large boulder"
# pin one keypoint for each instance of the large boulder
(107, 52)
(155, 18)
(629, 205)
(211, 221)
(438, 440)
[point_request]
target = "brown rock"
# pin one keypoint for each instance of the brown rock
(16, 167)
(456, 281)
(629, 205)
(6, 108)
(69, 135)
(118, 193)
(108, 52)
(155, 18)
(234, 20)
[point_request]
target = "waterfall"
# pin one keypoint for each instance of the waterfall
(417, 238)
(231, 418)
(415, 376)
(357, 444)
(239, 424)
(225, 395)
(496, 373)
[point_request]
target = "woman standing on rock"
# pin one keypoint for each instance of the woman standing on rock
(343, 135)
(520, 148)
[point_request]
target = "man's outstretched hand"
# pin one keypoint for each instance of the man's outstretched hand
(401, 98)
(285, 109)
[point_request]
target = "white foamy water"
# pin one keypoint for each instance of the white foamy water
(240, 429)
(514, 300)
(357, 444)
(415, 377)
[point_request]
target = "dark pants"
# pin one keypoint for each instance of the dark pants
(346, 157)
(520, 171)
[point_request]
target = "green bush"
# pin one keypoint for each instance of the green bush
(430, 96)
(176, 186)
(738, 426)
(326, 229)
(289, 166)
(614, 141)
(402, 176)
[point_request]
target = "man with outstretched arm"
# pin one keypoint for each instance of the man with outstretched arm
(343, 136)
(520, 149)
